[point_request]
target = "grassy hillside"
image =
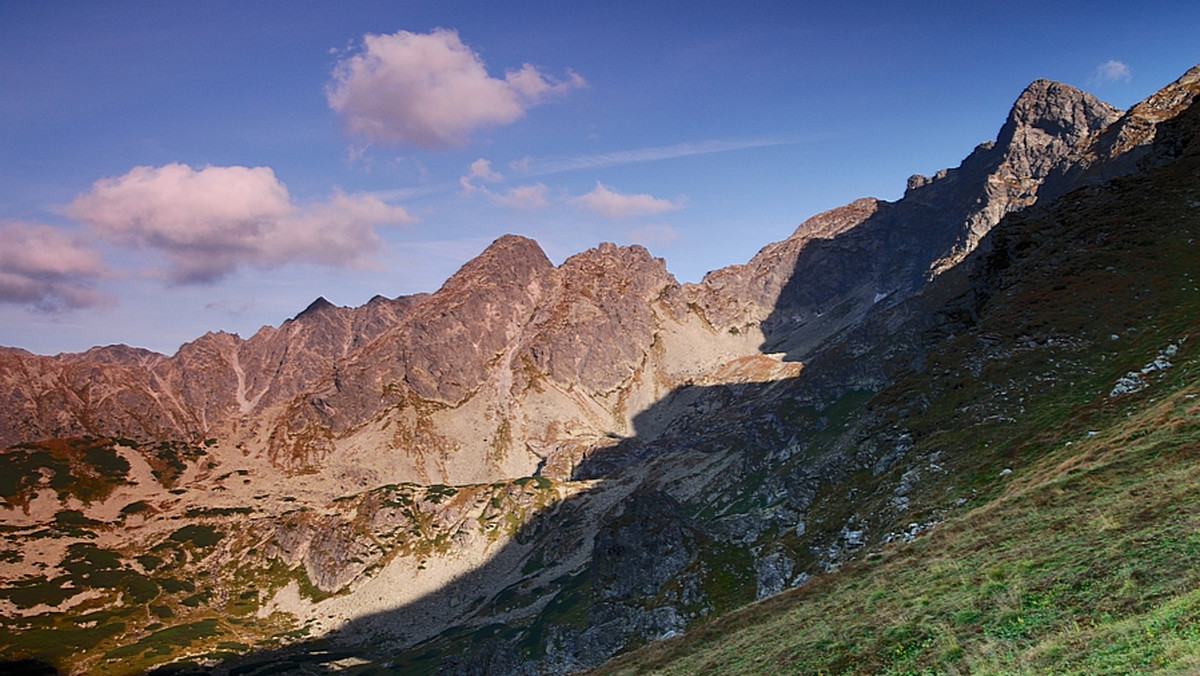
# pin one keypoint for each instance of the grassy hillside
(1085, 564)
(1071, 407)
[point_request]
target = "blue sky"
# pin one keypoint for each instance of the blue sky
(168, 169)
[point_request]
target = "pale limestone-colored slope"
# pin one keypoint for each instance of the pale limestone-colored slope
(411, 600)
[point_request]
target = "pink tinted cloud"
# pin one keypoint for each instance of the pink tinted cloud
(431, 90)
(210, 221)
(615, 205)
(48, 268)
(528, 197)
(482, 168)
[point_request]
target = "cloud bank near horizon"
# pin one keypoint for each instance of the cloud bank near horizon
(210, 221)
(49, 269)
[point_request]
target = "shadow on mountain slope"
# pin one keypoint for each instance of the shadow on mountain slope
(661, 538)
(1043, 150)
(625, 561)
(664, 534)
(837, 281)
(668, 531)
(880, 262)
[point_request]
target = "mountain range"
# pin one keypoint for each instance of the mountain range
(537, 468)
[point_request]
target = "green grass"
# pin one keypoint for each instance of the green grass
(1085, 567)
(199, 535)
(169, 460)
(86, 468)
(1081, 561)
(164, 641)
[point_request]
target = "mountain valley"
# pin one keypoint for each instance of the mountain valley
(927, 422)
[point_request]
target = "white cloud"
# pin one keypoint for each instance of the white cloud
(610, 204)
(482, 168)
(1111, 71)
(431, 90)
(209, 222)
(528, 197)
(48, 268)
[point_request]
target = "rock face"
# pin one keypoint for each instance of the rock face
(553, 463)
(840, 264)
(446, 349)
(1042, 138)
(123, 391)
(613, 292)
(515, 364)
(1129, 143)
(46, 397)
(512, 365)
(741, 296)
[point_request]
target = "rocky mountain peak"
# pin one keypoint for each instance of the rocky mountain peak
(317, 306)
(741, 295)
(834, 221)
(1172, 99)
(611, 291)
(448, 339)
(116, 354)
(1059, 110)
(838, 265)
(1127, 142)
(606, 261)
(512, 262)
(1048, 120)
(503, 257)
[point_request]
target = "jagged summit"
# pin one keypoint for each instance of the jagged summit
(116, 354)
(1126, 144)
(317, 306)
(791, 297)
(1045, 128)
(510, 248)
(839, 264)
(1058, 110)
(508, 258)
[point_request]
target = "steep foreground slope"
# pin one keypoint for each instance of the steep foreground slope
(539, 467)
(1061, 414)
